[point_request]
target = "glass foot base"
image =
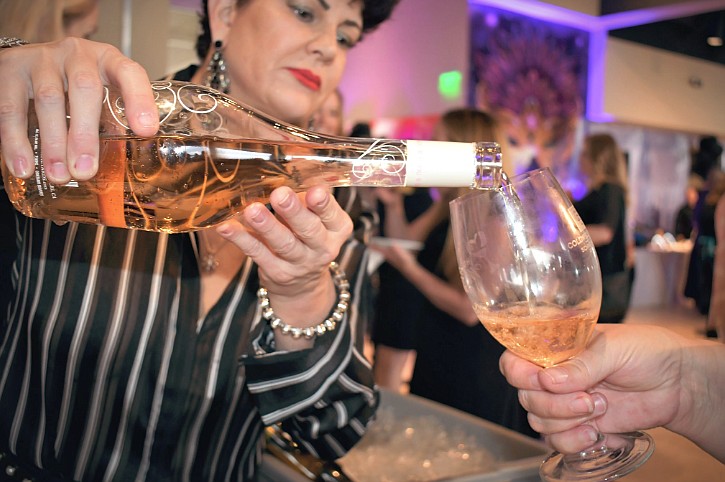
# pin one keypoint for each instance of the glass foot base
(614, 457)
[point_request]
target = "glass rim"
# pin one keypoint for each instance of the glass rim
(511, 181)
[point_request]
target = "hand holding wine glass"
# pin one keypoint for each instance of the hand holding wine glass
(530, 269)
(645, 375)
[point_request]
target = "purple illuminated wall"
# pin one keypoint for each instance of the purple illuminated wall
(532, 76)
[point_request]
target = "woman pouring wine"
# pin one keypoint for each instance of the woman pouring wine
(123, 359)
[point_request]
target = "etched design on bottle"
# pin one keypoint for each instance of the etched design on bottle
(213, 156)
(176, 183)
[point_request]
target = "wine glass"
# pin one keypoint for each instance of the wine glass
(531, 272)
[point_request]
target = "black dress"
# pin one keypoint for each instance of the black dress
(606, 205)
(702, 259)
(398, 301)
(457, 365)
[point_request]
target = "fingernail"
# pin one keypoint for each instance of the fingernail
(286, 201)
(146, 119)
(557, 375)
(256, 214)
(582, 405)
(324, 199)
(590, 435)
(58, 170)
(224, 230)
(534, 380)
(600, 404)
(84, 164)
(20, 167)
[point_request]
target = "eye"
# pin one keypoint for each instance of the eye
(346, 41)
(303, 13)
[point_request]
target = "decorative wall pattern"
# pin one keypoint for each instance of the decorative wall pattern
(531, 76)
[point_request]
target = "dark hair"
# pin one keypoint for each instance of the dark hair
(374, 13)
(707, 158)
(361, 129)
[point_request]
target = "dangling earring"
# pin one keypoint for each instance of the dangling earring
(216, 76)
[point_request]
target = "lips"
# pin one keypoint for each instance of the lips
(307, 78)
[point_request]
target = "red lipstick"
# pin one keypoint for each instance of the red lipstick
(307, 78)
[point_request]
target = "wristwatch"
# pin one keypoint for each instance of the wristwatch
(7, 42)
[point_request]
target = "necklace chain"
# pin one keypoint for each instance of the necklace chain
(208, 261)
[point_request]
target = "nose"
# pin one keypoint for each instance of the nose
(325, 45)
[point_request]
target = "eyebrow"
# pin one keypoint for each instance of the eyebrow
(326, 6)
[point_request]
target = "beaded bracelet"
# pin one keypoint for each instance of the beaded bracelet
(343, 300)
(7, 42)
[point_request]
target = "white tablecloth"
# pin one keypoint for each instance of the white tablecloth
(660, 274)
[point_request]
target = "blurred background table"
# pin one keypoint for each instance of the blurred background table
(660, 273)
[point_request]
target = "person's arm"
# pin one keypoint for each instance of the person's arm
(324, 395)
(442, 294)
(628, 378)
(601, 234)
(321, 389)
(608, 208)
(396, 221)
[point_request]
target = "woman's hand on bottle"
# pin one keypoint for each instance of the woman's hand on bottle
(44, 73)
(294, 245)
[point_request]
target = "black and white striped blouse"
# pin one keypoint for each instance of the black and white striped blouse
(108, 374)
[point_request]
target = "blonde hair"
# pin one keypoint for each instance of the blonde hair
(607, 161)
(40, 20)
(461, 125)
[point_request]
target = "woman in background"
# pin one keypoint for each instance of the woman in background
(329, 117)
(707, 247)
(456, 358)
(126, 356)
(716, 317)
(603, 211)
(706, 164)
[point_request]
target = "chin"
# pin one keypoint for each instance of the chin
(296, 108)
(294, 115)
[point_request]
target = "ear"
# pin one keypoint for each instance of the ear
(221, 17)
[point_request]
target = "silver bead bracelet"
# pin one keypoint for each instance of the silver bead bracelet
(7, 42)
(343, 301)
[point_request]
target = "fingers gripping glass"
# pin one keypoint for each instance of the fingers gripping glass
(531, 272)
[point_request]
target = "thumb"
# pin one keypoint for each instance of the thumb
(581, 372)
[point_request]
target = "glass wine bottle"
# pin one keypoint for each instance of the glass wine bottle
(212, 156)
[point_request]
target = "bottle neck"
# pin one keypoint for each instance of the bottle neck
(489, 166)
